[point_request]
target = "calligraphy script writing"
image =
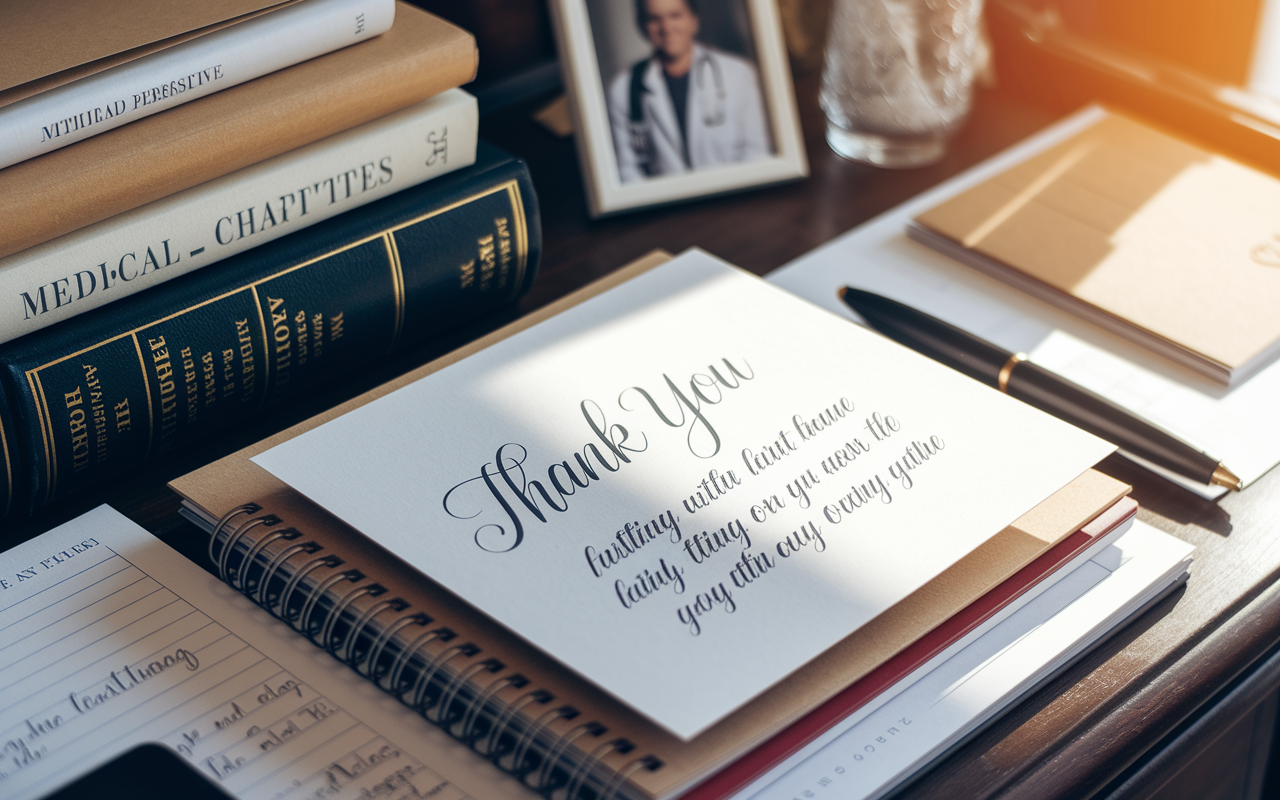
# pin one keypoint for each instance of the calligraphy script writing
(704, 390)
(506, 482)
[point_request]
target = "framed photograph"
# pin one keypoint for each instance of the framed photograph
(677, 99)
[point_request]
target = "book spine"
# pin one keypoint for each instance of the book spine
(211, 222)
(210, 63)
(110, 389)
(9, 473)
(65, 190)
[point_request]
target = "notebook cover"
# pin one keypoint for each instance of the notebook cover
(1173, 242)
(221, 486)
(150, 158)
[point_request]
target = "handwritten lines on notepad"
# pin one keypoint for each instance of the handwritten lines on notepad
(108, 657)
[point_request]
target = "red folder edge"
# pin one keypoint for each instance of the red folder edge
(809, 727)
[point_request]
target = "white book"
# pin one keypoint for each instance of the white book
(888, 742)
(185, 72)
(250, 207)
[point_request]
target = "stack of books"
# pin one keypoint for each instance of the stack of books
(316, 155)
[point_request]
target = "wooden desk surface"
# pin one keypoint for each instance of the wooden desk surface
(1072, 738)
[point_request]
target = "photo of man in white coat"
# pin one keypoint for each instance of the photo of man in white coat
(686, 107)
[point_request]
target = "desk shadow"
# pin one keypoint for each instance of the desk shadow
(1065, 690)
(1166, 498)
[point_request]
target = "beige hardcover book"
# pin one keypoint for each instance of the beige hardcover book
(55, 42)
(151, 158)
(1172, 246)
(659, 764)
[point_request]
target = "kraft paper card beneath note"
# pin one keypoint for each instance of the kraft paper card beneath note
(687, 487)
(1144, 234)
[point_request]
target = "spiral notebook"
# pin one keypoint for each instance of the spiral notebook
(517, 703)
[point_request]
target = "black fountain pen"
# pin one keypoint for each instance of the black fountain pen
(1012, 374)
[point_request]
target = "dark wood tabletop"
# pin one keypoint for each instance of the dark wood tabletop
(1128, 716)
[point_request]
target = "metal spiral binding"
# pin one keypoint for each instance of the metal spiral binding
(500, 725)
(397, 666)
(614, 788)
(380, 644)
(546, 773)
(531, 733)
(461, 677)
(539, 758)
(396, 605)
(270, 571)
(423, 683)
(247, 508)
(580, 773)
(472, 714)
(296, 578)
(335, 614)
(231, 543)
(304, 619)
(251, 557)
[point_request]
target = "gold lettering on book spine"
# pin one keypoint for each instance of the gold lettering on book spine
(522, 235)
(397, 286)
(46, 429)
(146, 381)
(8, 473)
(266, 344)
(512, 188)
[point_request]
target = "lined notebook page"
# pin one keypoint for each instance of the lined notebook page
(108, 638)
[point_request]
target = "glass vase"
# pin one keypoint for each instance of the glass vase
(898, 76)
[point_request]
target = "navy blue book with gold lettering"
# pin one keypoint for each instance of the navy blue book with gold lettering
(112, 388)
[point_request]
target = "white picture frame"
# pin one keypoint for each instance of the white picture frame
(601, 158)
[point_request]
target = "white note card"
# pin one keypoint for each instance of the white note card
(109, 639)
(688, 486)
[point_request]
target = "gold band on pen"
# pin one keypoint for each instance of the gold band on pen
(1002, 380)
(1225, 477)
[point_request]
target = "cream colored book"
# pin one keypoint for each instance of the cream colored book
(1145, 235)
(106, 100)
(119, 170)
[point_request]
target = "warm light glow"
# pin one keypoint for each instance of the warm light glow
(1033, 189)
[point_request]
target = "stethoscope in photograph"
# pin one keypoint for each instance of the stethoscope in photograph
(641, 139)
(716, 118)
